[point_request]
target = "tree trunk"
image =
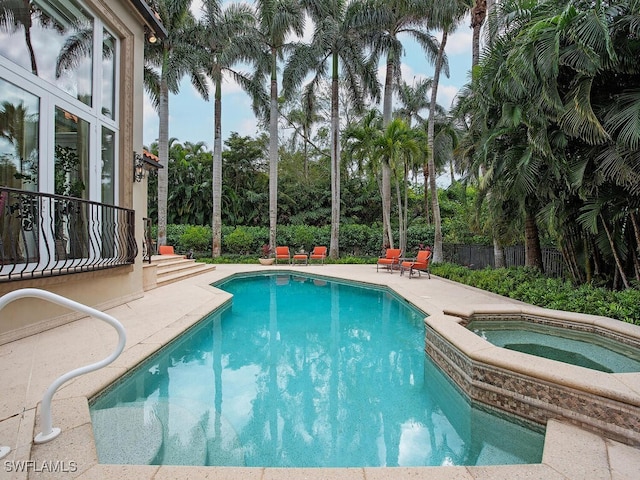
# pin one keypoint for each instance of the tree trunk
(532, 250)
(478, 14)
(335, 163)
(636, 231)
(273, 153)
(425, 172)
(387, 235)
(435, 206)
(615, 253)
(216, 218)
(163, 155)
(402, 242)
(498, 254)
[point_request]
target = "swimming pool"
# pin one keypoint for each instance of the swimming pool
(301, 371)
(584, 349)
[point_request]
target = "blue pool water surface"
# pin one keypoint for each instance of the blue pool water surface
(301, 372)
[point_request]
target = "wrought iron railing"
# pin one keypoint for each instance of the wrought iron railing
(148, 247)
(44, 235)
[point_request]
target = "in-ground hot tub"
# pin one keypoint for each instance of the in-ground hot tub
(536, 388)
(577, 347)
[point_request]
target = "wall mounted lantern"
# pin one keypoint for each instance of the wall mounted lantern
(143, 163)
(138, 167)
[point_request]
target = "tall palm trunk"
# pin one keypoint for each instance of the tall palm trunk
(435, 206)
(216, 220)
(335, 163)
(478, 14)
(387, 235)
(425, 173)
(163, 155)
(273, 152)
(532, 250)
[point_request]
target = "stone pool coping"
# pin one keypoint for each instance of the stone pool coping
(163, 313)
(540, 390)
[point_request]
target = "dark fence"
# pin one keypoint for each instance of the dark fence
(481, 256)
(46, 235)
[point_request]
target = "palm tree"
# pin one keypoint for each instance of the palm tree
(174, 57)
(413, 99)
(577, 140)
(398, 146)
(383, 21)
(276, 20)
(478, 15)
(302, 119)
(444, 16)
(229, 37)
(335, 43)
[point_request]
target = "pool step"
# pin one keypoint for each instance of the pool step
(127, 434)
(165, 433)
(173, 268)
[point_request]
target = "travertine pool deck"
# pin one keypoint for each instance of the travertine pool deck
(28, 366)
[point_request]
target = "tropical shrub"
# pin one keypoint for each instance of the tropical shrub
(196, 238)
(240, 241)
(531, 286)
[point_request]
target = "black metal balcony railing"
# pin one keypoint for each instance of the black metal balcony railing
(43, 235)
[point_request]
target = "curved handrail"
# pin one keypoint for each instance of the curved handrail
(48, 432)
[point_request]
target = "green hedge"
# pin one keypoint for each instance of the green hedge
(355, 240)
(531, 286)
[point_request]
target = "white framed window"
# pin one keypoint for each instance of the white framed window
(59, 118)
(58, 69)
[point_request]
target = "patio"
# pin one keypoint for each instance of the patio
(32, 363)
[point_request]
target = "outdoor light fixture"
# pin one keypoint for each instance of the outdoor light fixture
(151, 37)
(138, 167)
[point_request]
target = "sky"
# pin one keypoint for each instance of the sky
(191, 117)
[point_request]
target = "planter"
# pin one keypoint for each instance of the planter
(266, 261)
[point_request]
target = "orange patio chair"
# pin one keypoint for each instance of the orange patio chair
(318, 253)
(166, 250)
(282, 253)
(390, 260)
(418, 264)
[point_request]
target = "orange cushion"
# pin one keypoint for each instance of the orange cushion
(319, 252)
(388, 261)
(166, 250)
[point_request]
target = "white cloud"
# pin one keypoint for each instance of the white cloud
(446, 94)
(410, 76)
(248, 126)
(460, 41)
(150, 122)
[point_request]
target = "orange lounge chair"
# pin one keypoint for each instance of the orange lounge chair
(418, 264)
(166, 250)
(390, 260)
(318, 253)
(282, 253)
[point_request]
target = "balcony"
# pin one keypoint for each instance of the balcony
(44, 235)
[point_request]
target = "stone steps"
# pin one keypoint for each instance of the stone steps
(173, 268)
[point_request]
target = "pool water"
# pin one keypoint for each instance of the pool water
(583, 349)
(302, 372)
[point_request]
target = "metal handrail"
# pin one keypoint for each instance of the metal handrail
(48, 432)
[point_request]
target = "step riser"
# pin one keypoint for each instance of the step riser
(173, 268)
